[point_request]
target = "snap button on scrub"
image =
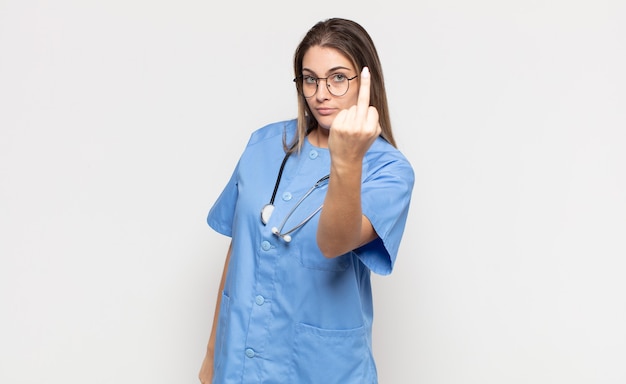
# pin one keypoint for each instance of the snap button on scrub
(259, 300)
(287, 196)
(266, 246)
(250, 353)
(313, 154)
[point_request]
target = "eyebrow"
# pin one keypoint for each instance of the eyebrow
(332, 70)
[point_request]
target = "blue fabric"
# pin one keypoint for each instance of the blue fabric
(288, 314)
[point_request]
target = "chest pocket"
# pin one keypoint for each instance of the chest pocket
(315, 260)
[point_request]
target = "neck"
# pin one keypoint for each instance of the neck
(319, 137)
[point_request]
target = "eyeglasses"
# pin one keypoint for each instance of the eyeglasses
(337, 84)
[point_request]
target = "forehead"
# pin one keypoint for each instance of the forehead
(323, 59)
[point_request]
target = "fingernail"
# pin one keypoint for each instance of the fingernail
(366, 72)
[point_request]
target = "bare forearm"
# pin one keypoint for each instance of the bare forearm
(219, 299)
(206, 371)
(340, 224)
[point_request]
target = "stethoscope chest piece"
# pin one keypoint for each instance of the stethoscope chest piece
(266, 213)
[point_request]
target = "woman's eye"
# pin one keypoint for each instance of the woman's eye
(309, 80)
(338, 77)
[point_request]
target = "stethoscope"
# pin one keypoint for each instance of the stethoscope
(268, 209)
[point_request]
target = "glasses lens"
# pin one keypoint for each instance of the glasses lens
(338, 85)
(307, 85)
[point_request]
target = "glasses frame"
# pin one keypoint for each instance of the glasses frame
(298, 80)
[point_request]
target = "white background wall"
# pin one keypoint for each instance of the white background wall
(121, 120)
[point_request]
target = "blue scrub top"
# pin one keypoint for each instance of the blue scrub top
(288, 314)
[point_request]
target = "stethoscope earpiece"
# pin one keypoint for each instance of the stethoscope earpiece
(285, 237)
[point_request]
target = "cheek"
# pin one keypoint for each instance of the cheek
(353, 94)
(350, 100)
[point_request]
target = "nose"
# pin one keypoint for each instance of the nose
(322, 91)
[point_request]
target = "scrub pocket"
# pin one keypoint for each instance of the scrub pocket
(315, 260)
(323, 356)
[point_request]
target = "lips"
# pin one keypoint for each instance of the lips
(325, 111)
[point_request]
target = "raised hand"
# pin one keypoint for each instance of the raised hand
(354, 129)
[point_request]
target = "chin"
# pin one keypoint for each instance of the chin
(325, 122)
(324, 126)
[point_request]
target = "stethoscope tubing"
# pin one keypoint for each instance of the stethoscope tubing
(286, 235)
(268, 208)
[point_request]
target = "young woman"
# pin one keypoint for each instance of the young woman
(314, 205)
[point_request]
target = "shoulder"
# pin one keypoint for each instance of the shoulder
(273, 131)
(384, 157)
(266, 144)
